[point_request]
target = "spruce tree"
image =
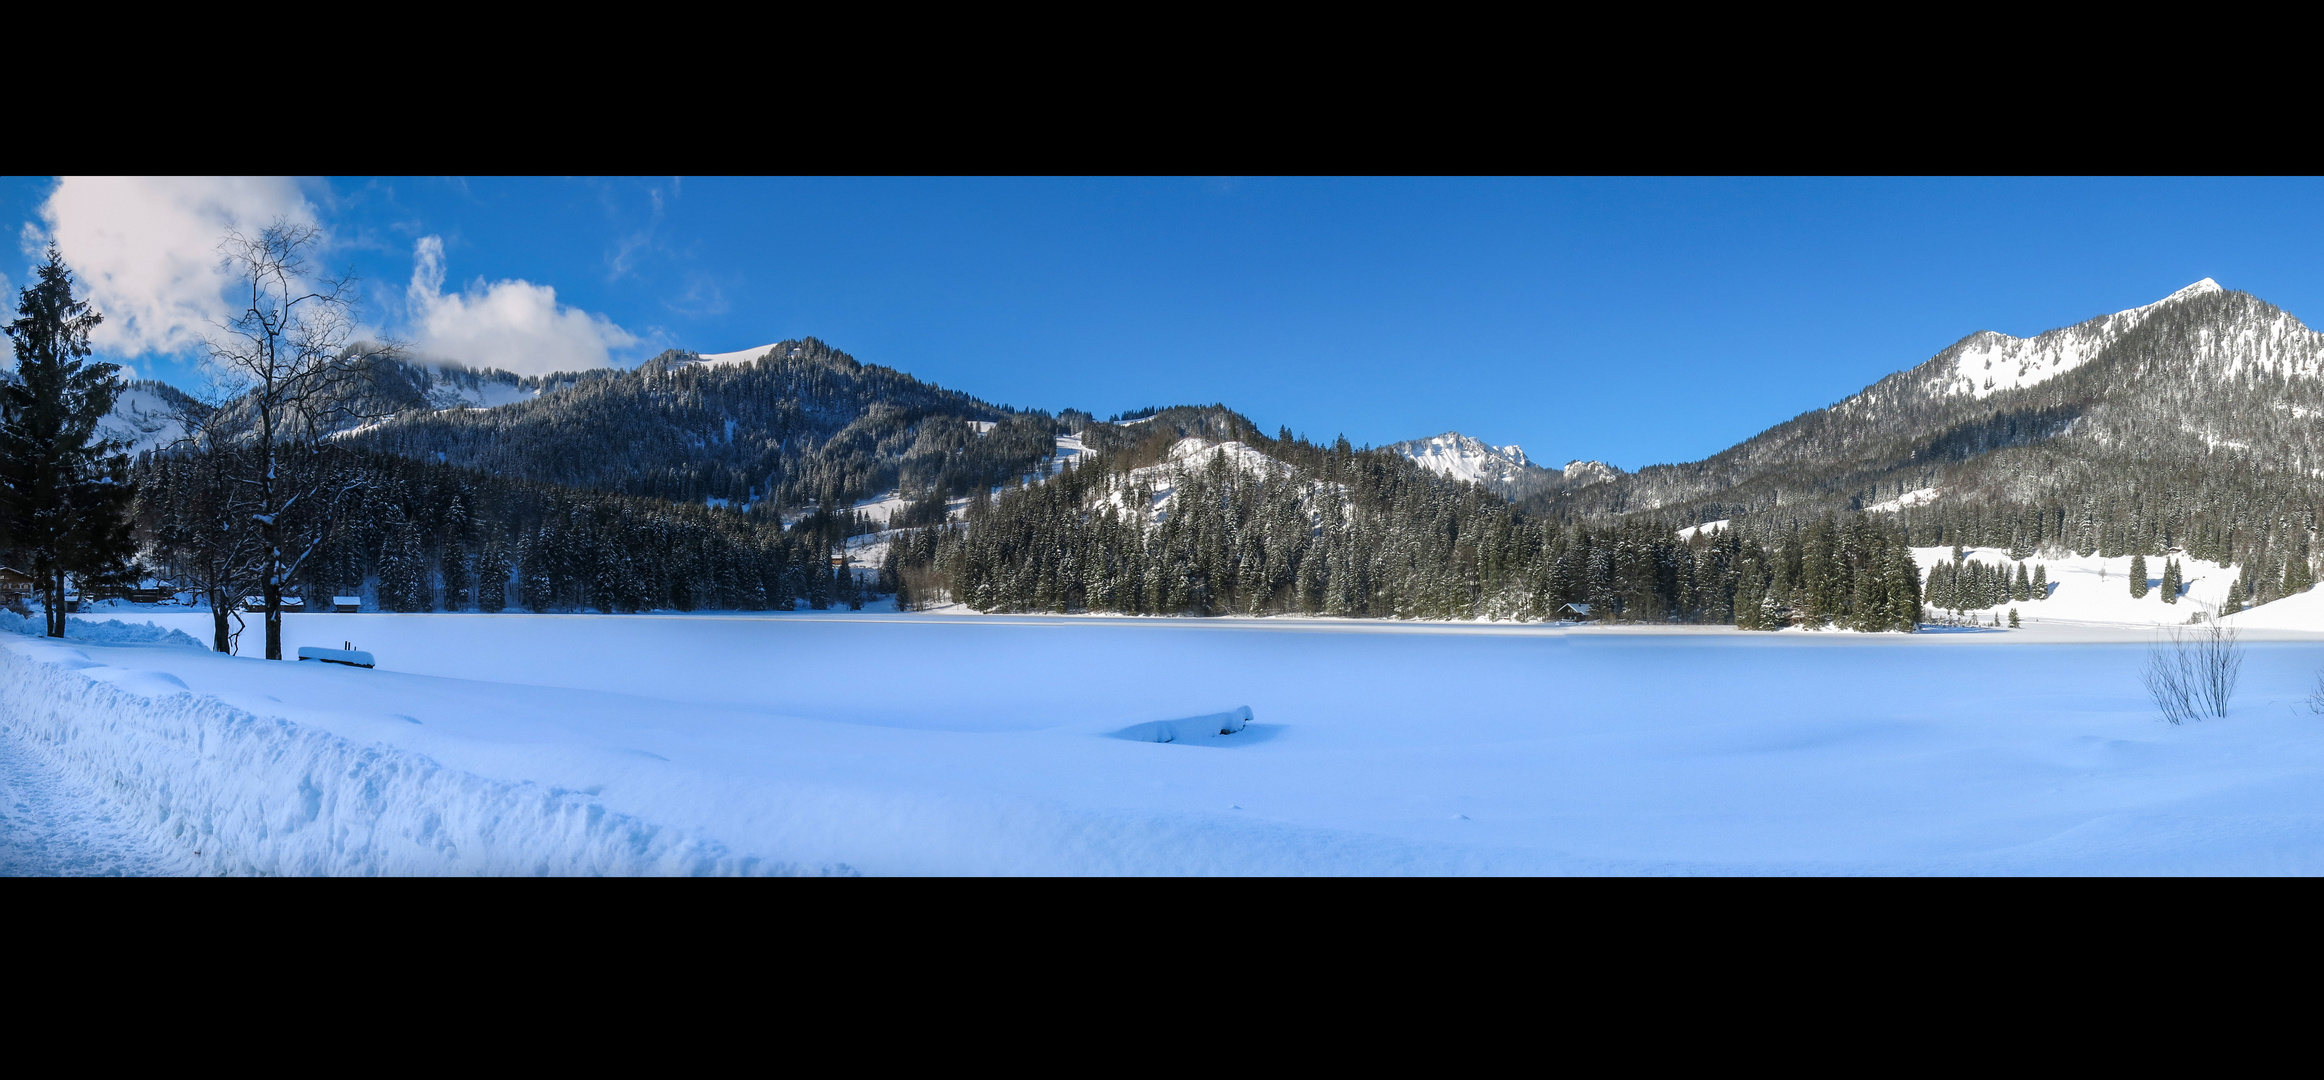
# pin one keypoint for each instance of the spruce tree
(492, 578)
(65, 495)
(2137, 576)
(2171, 581)
(2041, 581)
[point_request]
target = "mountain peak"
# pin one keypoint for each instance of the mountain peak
(2197, 289)
(1459, 456)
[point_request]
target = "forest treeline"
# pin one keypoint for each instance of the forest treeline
(432, 537)
(1332, 530)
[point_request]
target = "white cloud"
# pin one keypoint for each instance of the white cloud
(513, 325)
(146, 249)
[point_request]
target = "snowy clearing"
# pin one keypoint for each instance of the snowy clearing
(710, 744)
(2089, 590)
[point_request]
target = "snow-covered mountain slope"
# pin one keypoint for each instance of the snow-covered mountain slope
(1160, 481)
(2160, 387)
(740, 356)
(145, 417)
(1986, 362)
(1915, 497)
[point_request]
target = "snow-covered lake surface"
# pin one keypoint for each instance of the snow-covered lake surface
(897, 744)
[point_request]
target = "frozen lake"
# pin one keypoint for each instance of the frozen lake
(915, 744)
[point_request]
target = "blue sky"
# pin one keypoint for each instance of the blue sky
(1634, 321)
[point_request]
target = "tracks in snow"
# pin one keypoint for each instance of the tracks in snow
(52, 826)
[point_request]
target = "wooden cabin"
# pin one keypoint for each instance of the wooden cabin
(15, 582)
(346, 605)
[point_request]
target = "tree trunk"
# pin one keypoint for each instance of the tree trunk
(273, 595)
(221, 640)
(56, 603)
(271, 588)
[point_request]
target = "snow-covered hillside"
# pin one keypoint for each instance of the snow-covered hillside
(144, 418)
(739, 356)
(1988, 362)
(1915, 497)
(1187, 455)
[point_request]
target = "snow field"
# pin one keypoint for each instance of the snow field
(991, 745)
(2089, 589)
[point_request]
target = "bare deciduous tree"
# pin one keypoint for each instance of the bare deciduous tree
(2192, 671)
(292, 356)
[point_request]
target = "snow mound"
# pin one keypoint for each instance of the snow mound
(1708, 528)
(247, 794)
(111, 631)
(1193, 729)
(1916, 497)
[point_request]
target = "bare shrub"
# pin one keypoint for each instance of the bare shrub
(2192, 671)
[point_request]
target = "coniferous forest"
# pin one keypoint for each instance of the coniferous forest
(1367, 533)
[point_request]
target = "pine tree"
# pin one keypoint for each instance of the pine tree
(65, 495)
(2137, 576)
(492, 578)
(2170, 581)
(2021, 586)
(455, 575)
(2041, 581)
(2013, 618)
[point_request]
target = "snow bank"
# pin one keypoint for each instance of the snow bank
(244, 794)
(112, 631)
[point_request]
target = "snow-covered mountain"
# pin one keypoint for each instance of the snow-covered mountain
(2189, 381)
(1504, 469)
(1986, 362)
(145, 416)
(1463, 458)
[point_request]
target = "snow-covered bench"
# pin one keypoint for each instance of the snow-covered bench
(349, 657)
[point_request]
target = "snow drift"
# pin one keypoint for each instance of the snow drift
(252, 795)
